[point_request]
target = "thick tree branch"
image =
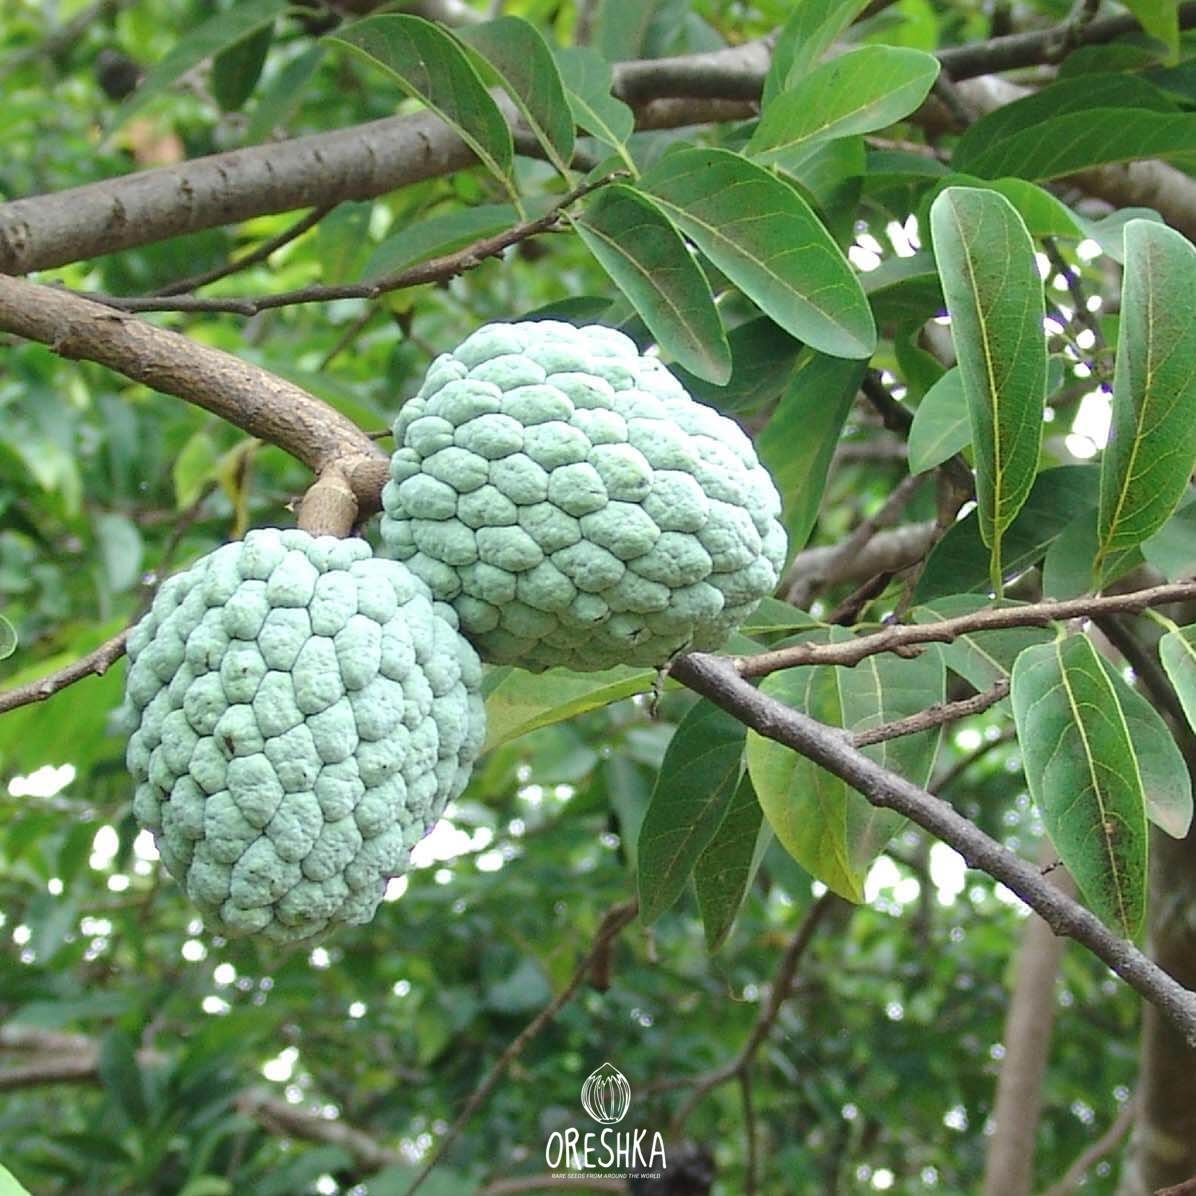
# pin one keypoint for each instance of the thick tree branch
(902, 636)
(718, 680)
(248, 397)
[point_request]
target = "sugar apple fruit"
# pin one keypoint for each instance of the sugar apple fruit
(574, 505)
(303, 713)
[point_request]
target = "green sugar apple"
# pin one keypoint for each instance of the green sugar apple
(303, 714)
(574, 505)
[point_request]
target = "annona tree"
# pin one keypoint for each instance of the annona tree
(724, 471)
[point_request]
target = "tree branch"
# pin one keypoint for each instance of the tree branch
(245, 395)
(1091, 1155)
(901, 636)
(613, 922)
(438, 269)
(933, 716)
(94, 664)
(718, 680)
(782, 985)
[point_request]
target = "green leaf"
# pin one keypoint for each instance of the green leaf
(235, 71)
(1063, 145)
(1172, 549)
(762, 360)
(959, 562)
(725, 870)
(524, 64)
(1166, 782)
(981, 658)
(697, 781)
(857, 92)
(629, 29)
(9, 1185)
(1067, 568)
(1152, 446)
(299, 1172)
(438, 235)
(942, 426)
(994, 297)
(9, 640)
(194, 467)
(121, 1075)
(760, 233)
(831, 830)
(281, 96)
(587, 77)
(1177, 651)
(217, 33)
(120, 550)
(799, 440)
(1083, 775)
(429, 65)
(637, 245)
(518, 701)
(905, 289)
(809, 32)
(1160, 18)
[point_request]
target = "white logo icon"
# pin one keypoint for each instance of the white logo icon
(606, 1095)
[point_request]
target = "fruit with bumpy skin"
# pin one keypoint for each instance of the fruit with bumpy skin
(302, 713)
(574, 505)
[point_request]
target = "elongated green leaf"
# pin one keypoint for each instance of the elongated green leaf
(994, 297)
(1160, 18)
(279, 98)
(941, 426)
(1172, 549)
(725, 870)
(1152, 449)
(798, 442)
(857, 92)
(959, 562)
(905, 289)
(518, 701)
(524, 64)
(982, 658)
(427, 64)
(698, 778)
(628, 29)
(235, 71)
(440, 234)
(1067, 97)
(807, 35)
(1166, 783)
(769, 243)
(587, 77)
(1177, 651)
(637, 245)
(1067, 568)
(9, 1185)
(121, 1075)
(216, 34)
(1083, 775)
(763, 357)
(1064, 145)
(9, 640)
(832, 831)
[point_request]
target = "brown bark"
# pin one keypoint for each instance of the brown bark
(1029, 1021)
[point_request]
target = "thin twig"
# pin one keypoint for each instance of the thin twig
(1007, 735)
(782, 984)
(934, 716)
(901, 636)
(716, 679)
(614, 921)
(1092, 1154)
(260, 254)
(94, 664)
(438, 269)
(1076, 290)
